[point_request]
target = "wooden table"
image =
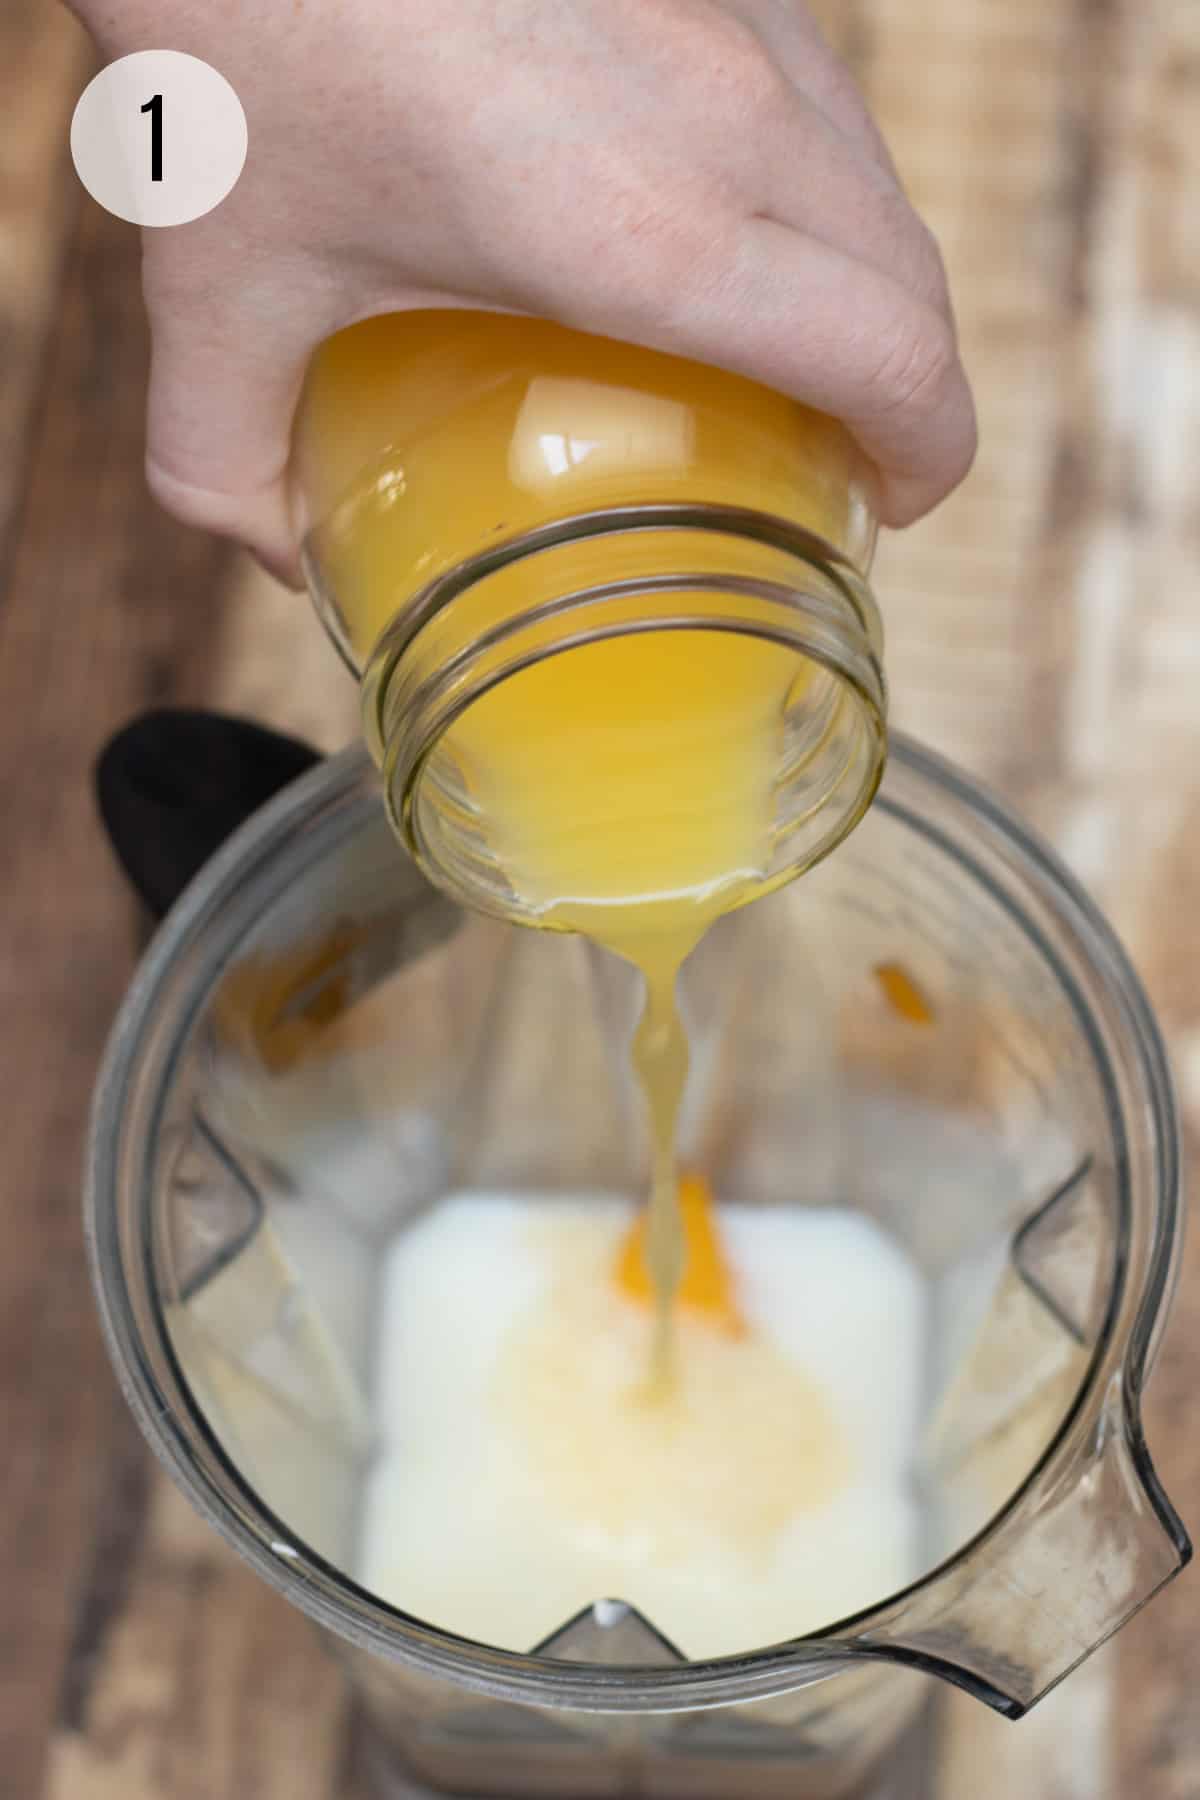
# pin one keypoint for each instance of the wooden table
(1043, 631)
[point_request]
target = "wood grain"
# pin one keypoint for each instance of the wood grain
(108, 608)
(44, 59)
(1043, 626)
(187, 1678)
(1042, 630)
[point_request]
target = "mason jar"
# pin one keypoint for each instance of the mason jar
(555, 558)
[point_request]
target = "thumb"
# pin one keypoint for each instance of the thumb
(227, 364)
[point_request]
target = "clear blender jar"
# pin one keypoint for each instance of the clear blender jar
(321, 1046)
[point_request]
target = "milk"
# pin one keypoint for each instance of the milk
(523, 1472)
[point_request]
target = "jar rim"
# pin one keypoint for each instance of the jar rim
(825, 613)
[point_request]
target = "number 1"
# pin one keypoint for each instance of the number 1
(154, 108)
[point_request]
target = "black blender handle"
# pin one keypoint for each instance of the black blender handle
(173, 784)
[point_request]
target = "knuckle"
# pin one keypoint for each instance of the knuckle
(741, 75)
(917, 367)
(930, 268)
(745, 75)
(717, 58)
(913, 252)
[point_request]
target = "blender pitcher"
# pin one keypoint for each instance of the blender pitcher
(935, 1029)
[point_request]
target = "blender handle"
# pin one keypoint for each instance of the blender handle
(174, 783)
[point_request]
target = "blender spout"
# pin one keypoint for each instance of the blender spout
(1080, 1549)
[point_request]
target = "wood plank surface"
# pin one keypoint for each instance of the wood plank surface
(44, 61)
(1043, 630)
(1043, 627)
(108, 608)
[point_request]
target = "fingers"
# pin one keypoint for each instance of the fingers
(830, 177)
(796, 42)
(815, 180)
(844, 337)
(830, 287)
(227, 366)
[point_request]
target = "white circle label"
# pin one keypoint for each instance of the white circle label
(159, 137)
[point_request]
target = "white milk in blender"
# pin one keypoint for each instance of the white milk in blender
(526, 1468)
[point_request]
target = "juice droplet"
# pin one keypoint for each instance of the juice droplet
(707, 1286)
(275, 1009)
(903, 995)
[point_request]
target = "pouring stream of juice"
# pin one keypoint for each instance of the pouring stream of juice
(637, 822)
(629, 782)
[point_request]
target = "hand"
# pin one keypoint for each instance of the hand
(699, 176)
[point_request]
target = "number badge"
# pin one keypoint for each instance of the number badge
(159, 137)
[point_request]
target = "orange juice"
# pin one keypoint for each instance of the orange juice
(428, 435)
(586, 568)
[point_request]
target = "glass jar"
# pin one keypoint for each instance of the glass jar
(593, 592)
